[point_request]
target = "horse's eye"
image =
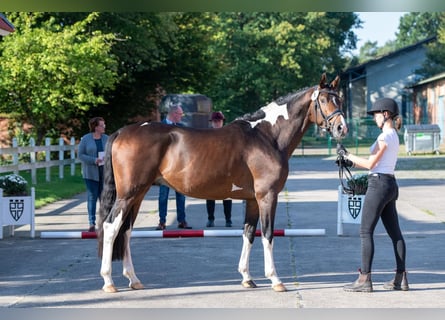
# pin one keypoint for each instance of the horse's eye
(323, 100)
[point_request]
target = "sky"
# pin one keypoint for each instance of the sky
(377, 26)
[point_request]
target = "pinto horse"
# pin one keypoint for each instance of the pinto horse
(249, 158)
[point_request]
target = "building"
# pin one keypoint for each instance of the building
(391, 75)
(6, 27)
(428, 99)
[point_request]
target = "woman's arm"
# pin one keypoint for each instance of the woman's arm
(82, 152)
(373, 158)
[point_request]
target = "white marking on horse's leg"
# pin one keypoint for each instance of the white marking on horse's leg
(110, 231)
(269, 265)
(243, 266)
(128, 269)
(235, 187)
(145, 124)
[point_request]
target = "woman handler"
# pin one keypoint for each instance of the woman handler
(381, 196)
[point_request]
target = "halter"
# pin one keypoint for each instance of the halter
(326, 124)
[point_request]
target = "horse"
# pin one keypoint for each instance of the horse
(249, 157)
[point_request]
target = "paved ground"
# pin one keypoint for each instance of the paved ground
(202, 272)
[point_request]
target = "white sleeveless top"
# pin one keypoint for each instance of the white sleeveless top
(387, 162)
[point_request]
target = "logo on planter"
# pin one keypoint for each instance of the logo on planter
(354, 206)
(16, 207)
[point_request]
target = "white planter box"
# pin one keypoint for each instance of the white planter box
(349, 209)
(17, 211)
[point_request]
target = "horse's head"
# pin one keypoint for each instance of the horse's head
(325, 108)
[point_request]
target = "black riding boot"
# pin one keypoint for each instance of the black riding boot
(400, 282)
(362, 284)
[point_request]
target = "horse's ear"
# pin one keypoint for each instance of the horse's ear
(323, 80)
(335, 83)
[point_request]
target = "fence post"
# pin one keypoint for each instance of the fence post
(48, 158)
(73, 155)
(15, 155)
(32, 155)
(61, 152)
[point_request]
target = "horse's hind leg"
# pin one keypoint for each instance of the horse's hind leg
(268, 206)
(128, 269)
(110, 231)
(251, 222)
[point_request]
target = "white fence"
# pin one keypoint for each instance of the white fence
(34, 164)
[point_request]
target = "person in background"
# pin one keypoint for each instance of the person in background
(217, 121)
(173, 117)
(381, 196)
(90, 153)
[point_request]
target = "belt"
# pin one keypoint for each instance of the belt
(388, 175)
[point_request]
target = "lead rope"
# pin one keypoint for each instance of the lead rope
(344, 174)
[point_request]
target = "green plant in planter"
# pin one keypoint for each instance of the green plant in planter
(14, 185)
(358, 183)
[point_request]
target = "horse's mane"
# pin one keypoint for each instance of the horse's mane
(260, 114)
(290, 97)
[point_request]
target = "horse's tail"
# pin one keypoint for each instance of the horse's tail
(108, 198)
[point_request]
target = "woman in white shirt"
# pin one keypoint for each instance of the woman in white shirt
(381, 196)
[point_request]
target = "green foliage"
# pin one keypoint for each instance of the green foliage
(50, 73)
(417, 26)
(14, 185)
(263, 55)
(358, 183)
(59, 69)
(435, 55)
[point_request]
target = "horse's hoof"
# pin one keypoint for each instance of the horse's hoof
(279, 288)
(248, 284)
(137, 286)
(109, 289)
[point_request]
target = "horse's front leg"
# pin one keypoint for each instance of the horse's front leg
(110, 231)
(128, 269)
(268, 206)
(251, 221)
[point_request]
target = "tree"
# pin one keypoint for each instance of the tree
(417, 26)
(51, 73)
(435, 54)
(143, 46)
(241, 60)
(263, 55)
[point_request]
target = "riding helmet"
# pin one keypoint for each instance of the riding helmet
(384, 104)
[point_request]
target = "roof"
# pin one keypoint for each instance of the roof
(361, 67)
(436, 77)
(6, 27)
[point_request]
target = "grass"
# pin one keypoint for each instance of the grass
(56, 189)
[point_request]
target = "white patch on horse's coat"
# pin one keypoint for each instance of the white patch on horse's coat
(235, 187)
(145, 124)
(272, 111)
(314, 95)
